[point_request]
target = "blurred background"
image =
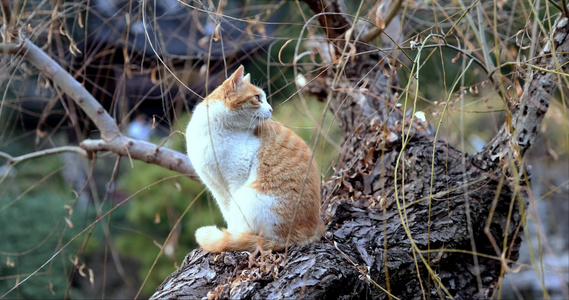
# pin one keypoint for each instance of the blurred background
(99, 225)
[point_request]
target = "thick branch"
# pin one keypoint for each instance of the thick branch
(52, 70)
(146, 152)
(112, 139)
(393, 10)
(518, 134)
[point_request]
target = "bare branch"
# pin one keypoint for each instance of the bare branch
(11, 160)
(518, 134)
(52, 70)
(112, 139)
(146, 152)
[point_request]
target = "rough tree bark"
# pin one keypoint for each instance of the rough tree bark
(394, 196)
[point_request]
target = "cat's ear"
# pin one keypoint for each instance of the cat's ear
(247, 78)
(236, 79)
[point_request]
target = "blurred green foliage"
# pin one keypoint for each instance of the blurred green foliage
(31, 230)
(33, 227)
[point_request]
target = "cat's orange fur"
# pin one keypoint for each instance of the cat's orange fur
(261, 174)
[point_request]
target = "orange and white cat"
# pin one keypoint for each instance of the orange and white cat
(260, 173)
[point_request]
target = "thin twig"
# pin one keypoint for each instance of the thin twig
(562, 8)
(11, 160)
(450, 46)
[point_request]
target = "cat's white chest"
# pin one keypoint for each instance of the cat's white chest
(222, 157)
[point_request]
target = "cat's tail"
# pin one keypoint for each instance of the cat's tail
(215, 240)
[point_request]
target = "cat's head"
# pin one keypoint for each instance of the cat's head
(245, 102)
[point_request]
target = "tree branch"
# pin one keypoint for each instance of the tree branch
(518, 133)
(52, 70)
(393, 10)
(112, 138)
(146, 152)
(11, 160)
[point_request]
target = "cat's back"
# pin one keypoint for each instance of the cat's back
(287, 170)
(285, 161)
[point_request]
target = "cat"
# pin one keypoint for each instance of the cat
(261, 174)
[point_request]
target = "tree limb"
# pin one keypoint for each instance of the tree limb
(52, 70)
(393, 10)
(112, 138)
(11, 160)
(519, 133)
(146, 152)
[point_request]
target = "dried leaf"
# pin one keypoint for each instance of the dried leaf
(473, 90)
(364, 85)
(69, 208)
(69, 223)
(455, 58)
(439, 40)
(80, 271)
(80, 20)
(352, 52)
(281, 50)
(154, 76)
(216, 35)
(9, 262)
(370, 154)
(91, 277)
(379, 21)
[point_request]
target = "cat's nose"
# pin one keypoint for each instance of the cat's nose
(270, 110)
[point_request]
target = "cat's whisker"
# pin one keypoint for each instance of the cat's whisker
(252, 121)
(273, 130)
(275, 121)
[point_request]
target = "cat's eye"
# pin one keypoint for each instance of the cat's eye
(258, 98)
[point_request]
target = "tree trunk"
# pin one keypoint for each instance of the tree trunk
(406, 216)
